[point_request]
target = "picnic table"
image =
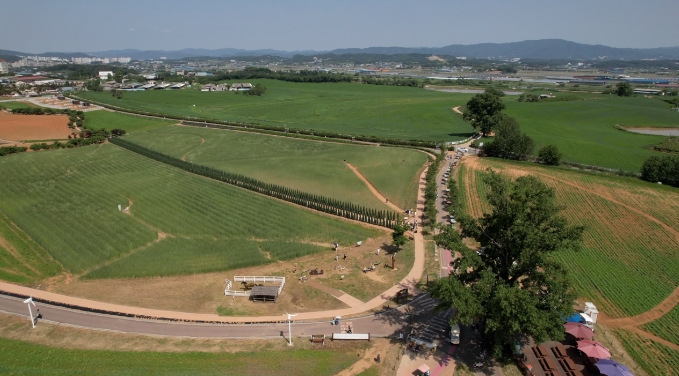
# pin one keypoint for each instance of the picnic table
(559, 351)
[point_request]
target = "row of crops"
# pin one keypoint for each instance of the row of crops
(666, 327)
(654, 358)
(193, 256)
(327, 205)
(67, 201)
(629, 263)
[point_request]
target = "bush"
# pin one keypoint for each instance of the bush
(549, 155)
(6, 150)
(624, 89)
(663, 169)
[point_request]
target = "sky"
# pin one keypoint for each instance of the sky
(95, 25)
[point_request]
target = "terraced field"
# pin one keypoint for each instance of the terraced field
(67, 202)
(309, 166)
(629, 263)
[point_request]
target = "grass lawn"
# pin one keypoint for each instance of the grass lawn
(131, 124)
(67, 202)
(584, 130)
(385, 111)
(23, 358)
(629, 263)
(309, 166)
(13, 105)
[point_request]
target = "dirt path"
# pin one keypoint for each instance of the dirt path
(457, 109)
(368, 359)
(651, 315)
(202, 141)
(374, 190)
(653, 337)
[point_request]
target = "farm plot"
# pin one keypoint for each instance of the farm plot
(67, 201)
(666, 327)
(309, 166)
(33, 127)
(656, 359)
(629, 263)
(112, 120)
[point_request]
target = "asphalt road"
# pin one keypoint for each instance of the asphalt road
(389, 323)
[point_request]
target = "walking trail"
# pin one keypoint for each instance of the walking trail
(457, 109)
(356, 307)
(374, 190)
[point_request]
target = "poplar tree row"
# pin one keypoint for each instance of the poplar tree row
(324, 204)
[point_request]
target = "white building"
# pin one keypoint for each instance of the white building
(103, 75)
(4, 67)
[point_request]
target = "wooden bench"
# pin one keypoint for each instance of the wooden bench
(559, 351)
(318, 338)
(536, 352)
(543, 351)
(351, 336)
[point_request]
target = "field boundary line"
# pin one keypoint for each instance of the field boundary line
(373, 189)
(652, 337)
(652, 314)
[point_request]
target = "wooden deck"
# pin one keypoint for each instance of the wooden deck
(553, 359)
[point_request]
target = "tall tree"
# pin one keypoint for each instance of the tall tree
(624, 89)
(484, 111)
(513, 286)
(510, 142)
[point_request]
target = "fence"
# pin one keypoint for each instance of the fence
(252, 279)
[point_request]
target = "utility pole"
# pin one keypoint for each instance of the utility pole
(290, 327)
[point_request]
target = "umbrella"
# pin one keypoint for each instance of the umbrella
(578, 330)
(612, 368)
(594, 349)
(423, 368)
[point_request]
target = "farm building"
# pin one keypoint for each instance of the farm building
(241, 87)
(177, 86)
(648, 91)
(213, 87)
(103, 75)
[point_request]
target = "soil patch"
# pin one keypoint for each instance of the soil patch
(33, 127)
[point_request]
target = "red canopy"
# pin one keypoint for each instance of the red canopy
(594, 349)
(578, 330)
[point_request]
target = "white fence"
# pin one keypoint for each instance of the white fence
(252, 279)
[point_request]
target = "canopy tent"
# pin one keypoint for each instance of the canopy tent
(578, 330)
(612, 368)
(424, 369)
(594, 349)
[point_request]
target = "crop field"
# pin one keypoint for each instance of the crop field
(13, 105)
(666, 327)
(584, 130)
(309, 166)
(67, 202)
(655, 358)
(33, 127)
(112, 120)
(629, 263)
(384, 111)
(22, 358)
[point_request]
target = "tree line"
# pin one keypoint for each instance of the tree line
(328, 205)
(250, 73)
(430, 189)
(75, 118)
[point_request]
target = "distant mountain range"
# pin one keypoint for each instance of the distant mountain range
(528, 49)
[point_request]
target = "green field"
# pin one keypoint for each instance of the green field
(666, 327)
(654, 358)
(384, 111)
(309, 166)
(22, 358)
(130, 123)
(13, 105)
(584, 130)
(67, 202)
(629, 263)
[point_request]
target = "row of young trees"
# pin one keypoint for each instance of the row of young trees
(324, 204)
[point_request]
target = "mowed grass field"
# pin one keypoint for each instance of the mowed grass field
(384, 111)
(629, 263)
(584, 130)
(115, 120)
(67, 202)
(13, 105)
(309, 166)
(23, 358)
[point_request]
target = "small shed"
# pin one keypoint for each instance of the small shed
(264, 293)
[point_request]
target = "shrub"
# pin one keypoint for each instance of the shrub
(6, 150)
(549, 155)
(663, 169)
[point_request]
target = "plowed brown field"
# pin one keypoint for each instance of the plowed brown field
(33, 127)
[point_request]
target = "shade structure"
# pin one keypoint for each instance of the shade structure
(594, 349)
(423, 368)
(612, 368)
(578, 330)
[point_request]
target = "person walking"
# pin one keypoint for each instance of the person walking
(345, 257)
(336, 256)
(378, 251)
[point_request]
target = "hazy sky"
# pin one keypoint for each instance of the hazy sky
(95, 25)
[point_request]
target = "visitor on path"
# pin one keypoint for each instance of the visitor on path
(336, 256)
(345, 256)
(378, 251)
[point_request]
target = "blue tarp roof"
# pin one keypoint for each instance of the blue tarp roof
(575, 318)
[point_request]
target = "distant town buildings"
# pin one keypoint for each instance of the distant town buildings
(105, 60)
(4, 67)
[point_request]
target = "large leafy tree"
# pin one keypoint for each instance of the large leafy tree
(513, 286)
(484, 111)
(624, 89)
(510, 142)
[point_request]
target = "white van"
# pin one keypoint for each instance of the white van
(455, 334)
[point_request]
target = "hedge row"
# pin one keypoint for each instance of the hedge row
(273, 128)
(324, 204)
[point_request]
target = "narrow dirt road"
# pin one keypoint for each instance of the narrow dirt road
(374, 190)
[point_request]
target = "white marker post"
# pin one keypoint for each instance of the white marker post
(29, 301)
(290, 327)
